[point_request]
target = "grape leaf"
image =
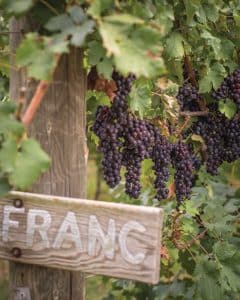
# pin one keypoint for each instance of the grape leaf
(80, 32)
(208, 286)
(75, 24)
(213, 78)
(212, 41)
(98, 7)
(77, 14)
(105, 67)
(174, 46)
(5, 187)
(7, 108)
(8, 155)
(224, 250)
(16, 7)
(39, 61)
(228, 108)
(31, 161)
(42, 66)
(134, 48)
(10, 125)
(59, 23)
(96, 52)
(123, 19)
(140, 96)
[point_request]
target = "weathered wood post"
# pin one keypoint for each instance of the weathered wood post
(60, 128)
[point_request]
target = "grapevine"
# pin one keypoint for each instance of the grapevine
(126, 140)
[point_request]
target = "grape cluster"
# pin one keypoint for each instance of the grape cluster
(161, 157)
(232, 140)
(230, 88)
(109, 145)
(126, 140)
(221, 137)
(188, 97)
(182, 161)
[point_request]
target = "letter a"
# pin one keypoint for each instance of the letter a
(69, 223)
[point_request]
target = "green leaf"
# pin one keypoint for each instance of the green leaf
(140, 96)
(112, 34)
(208, 286)
(212, 41)
(211, 10)
(10, 126)
(28, 50)
(75, 24)
(37, 56)
(80, 33)
(174, 46)
(8, 107)
(197, 138)
(5, 187)
(96, 98)
(227, 273)
(228, 108)
(213, 78)
(30, 163)
(229, 257)
(191, 8)
(190, 208)
(16, 7)
(138, 58)
(224, 250)
(77, 14)
(95, 52)
(123, 18)
(42, 67)
(105, 67)
(98, 7)
(57, 46)
(59, 23)
(8, 155)
(134, 49)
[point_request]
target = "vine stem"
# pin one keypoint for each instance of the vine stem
(190, 71)
(35, 102)
(37, 98)
(194, 113)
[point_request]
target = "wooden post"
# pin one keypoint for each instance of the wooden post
(60, 128)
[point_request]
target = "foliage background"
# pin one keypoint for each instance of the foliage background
(200, 254)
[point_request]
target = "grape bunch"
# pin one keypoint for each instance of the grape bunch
(230, 88)
(183, 163)
(211, 129)
(188, 97)
(221, 137)
(109, 145)
(126, 140)
(161, 157)
(232, 140)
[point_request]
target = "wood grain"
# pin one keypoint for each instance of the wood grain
(68, 256)
(59, 126)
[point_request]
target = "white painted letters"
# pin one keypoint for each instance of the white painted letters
(95, 233)
(69, 223)
(130, 226)
(7, 223)
(42, 228)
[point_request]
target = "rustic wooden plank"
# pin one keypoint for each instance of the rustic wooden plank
(117, 240)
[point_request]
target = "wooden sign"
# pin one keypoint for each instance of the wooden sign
(96, 237)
